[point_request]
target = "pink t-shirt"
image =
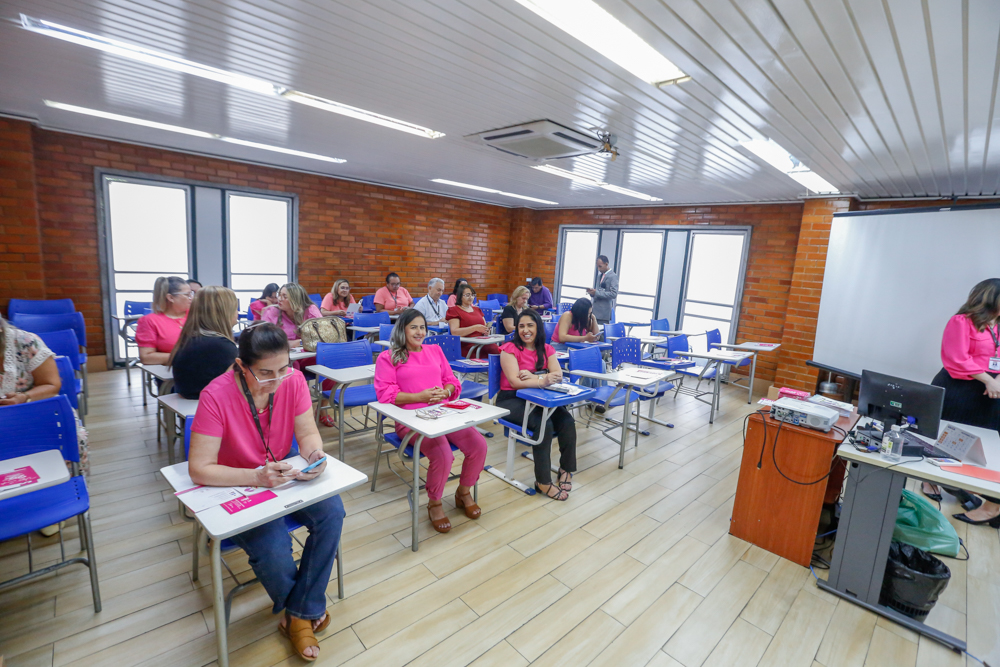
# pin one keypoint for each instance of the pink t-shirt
(390, 301)
(526, 359)
(158, 331)
(274, 315)
(328, 302)
(964, 351)
(422, 370)
(452, 301)
(223, 412)
(573, 331)
(256, 307)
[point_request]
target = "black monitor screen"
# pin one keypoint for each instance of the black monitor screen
(891, 400)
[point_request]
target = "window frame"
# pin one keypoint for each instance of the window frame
(740, 281)
(292, 228)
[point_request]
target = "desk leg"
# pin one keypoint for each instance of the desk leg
(145, 389)
(626, 418)
(220, 605)
(415, 505)
(867, 520)
(753, 372)
(715, 391)
(340, 418)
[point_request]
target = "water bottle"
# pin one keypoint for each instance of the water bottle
(892, 445)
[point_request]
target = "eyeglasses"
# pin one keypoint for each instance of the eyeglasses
(189, 295)
(282, 374)
(395, 284)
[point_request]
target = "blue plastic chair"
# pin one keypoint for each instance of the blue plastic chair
(487, 315)
(69, 381)
(138, 307)
(367, 304)
(614, 331)
(317, 299)
(346, 355)
(629, 351)
(39, 307)
(45, 323)
(502, 299)
(127, 332)
(550, 328)
(370, 320)
(662, 324)
(452, 349)
(64, 344)
(490, 304)
(563, 308)
(33, 428)
(385, 331)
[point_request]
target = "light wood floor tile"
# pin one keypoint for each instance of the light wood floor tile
(741, 646)
(40, 657)
(847, 637)
(542, 537)
(775, 596)
(890, 650)
(681, 498)
(897, 629)
(360, 605)
(760, 558)
(625, 511)
(695, 640)
(800, 633)
(716, 562)
(501, 655)
(582, 566)
(670, 533)
(583, 644)
(932, 654)
(984, 622)
(135, 650)
(716, 525)
(661, 659)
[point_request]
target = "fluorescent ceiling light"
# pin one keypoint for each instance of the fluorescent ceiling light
(184, 130)
(360, 114)
(167, 61)
(491, 190)
(776, 156)
(587, 180)
(145, 55)
(594, 26)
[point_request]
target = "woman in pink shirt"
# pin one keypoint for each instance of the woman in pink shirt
(157, 333)
(294, 307)
(577, 325)
(243, 428)
(412, 375)
(970, 354)
(339, 298)
(268, 297)
(528, 362)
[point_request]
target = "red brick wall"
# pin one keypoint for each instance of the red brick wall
(417, 235)
(20, 245)
(769, 268)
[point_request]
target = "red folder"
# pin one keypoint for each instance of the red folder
(975, 471)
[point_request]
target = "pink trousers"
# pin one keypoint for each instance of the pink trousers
(440, 457)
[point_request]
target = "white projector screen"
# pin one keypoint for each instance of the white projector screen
(892, 281)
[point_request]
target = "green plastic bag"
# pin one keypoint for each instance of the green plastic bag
(921, 524)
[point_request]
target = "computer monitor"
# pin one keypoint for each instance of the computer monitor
(891, 400)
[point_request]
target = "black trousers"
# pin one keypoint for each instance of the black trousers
(966, 403)
(560, 424)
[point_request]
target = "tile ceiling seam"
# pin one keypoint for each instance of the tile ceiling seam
(937, 92)
(989, 124)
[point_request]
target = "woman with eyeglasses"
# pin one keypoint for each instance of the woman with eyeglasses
(294, 307)
(338, 300)
(242, 430)
(467, 321)
(206, 348)
(156, 334)
(413, 376)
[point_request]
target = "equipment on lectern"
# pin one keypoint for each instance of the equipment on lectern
(804, 413)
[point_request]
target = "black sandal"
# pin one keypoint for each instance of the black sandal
(932, 496)
(567, 485)
(560, 494)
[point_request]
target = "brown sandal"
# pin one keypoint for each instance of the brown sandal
(465, 501)
(300, 632)
(441, 525)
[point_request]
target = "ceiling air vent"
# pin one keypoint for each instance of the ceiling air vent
(539, 140)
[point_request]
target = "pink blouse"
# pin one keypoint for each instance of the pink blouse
(526, 359)
(423, 370)
(572, 331)
(328, 302)
(964, 351)
(274, 315)
(159, 331)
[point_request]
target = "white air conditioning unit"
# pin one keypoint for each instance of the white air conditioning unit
(539, 140)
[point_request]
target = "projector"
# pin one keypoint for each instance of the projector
(804, 413)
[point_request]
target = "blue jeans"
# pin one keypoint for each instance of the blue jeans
(302, 590)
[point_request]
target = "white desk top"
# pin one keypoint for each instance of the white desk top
(635, 377)
(344, 375)
(483, 340)
(365, 330)
(435, 428)
(753, 347)
(645, 340)
(678, 333)
(381, 343)
(126, 318)
(185, 407)
(725, 357)
(930, 472)
(220, 524)
(158, 371)
(298, 353)
(48, 465)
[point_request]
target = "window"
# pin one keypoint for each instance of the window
(639, 278)
(714, 283)
(578, 265)
(258, 244)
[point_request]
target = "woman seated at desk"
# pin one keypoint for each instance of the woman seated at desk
(518, 302)
(269, 297)
(453, 297)
(528, 362)
(413, 376)
(206, 348)
(156, 334)
(243, 429)
(467, 320)
(294, 307)
(577, 325)
(338, 300)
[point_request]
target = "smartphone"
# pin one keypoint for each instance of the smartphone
(942, 461)
(313, 465)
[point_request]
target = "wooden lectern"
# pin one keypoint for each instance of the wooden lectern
(771, 511)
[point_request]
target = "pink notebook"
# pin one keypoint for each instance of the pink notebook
(18, 477)
(975, 471)
(240, 504)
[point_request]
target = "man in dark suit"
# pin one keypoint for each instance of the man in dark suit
(606, 291)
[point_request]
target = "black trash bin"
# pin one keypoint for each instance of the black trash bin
(914, 579)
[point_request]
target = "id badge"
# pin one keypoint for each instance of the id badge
(995, 363)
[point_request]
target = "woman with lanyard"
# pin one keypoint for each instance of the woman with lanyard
(970, 354)
(243, 429)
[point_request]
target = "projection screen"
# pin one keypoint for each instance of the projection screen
(893, 279)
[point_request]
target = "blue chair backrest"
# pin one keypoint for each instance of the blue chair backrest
(487, 314)
(371, 319)
(490, 304)
(249, 311)
(564, 308)
(493, 373)
(187, 439)
(614, 330)
(68, 377)
(344, 355)
(660, 325)
(450, 345)
(385, 331)
(677, 344)
(137, 307)
(317, 299)
(712, 338)
(502, 299)
(586, 359)
(38, 426)
(550, 328)
(367, 304)
(63, 343)
(39, 307)
(57, 322)
(626, 351)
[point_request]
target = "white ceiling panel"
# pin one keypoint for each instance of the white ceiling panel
(882, 99)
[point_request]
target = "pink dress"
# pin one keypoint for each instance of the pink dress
(158, 331)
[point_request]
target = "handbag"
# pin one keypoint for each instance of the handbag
(328, 329)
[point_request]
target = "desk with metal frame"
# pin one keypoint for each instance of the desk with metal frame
(713, 360)
(178, 407)
(479, 343)
(343, 378)
(48, 465)
(125, 323)
(753, 349)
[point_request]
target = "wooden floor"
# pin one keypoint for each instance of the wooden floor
(637, 568)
